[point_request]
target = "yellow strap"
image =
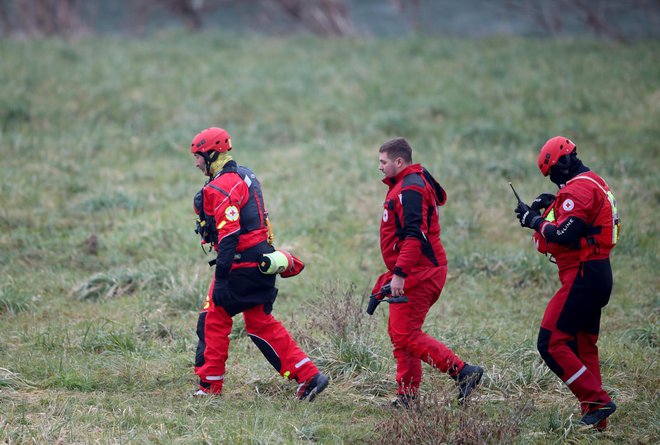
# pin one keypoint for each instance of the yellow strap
(271, 235)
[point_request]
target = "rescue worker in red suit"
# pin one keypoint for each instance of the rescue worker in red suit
(417, 268)
(234, 220)
(579, 227)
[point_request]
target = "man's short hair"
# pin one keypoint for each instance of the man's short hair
(397, 148)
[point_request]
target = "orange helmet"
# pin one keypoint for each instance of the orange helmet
(211, 139)
(552, 150)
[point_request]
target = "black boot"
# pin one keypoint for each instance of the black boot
(468, 379)
(597, 416)
(308, 389)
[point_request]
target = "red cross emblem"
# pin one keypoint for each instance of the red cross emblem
(231, 213)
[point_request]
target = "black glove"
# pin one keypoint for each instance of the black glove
(220, 291)
(527, 216)
(543, 201)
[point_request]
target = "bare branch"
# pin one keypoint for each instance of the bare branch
(593, 18)
(410, 9)
(323, 17)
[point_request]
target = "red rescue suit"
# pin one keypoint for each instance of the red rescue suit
(235, 201)
(580, 230)
(411, 248)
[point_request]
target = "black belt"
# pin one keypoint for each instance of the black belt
(250, 255)
(253, 254)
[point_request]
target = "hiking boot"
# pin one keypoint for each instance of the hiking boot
(308, 389)
(404, 401)
(597, 416)
(202, 393)
(468, 379)
(208, 389)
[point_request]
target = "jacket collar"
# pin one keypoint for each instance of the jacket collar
(412, 168)
(577, 169)
(230, 166)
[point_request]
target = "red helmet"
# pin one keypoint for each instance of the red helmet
(211, 139)
(552, 150)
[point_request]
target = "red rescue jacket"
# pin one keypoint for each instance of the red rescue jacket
(410, 226)
(235, 201)
(588, 198)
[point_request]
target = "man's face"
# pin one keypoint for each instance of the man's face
(200, 163)
(389, 167)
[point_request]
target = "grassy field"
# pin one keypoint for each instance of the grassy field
(101, 275)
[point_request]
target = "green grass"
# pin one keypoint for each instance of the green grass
(101, 275)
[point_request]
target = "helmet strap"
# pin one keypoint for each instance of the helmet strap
(206, 162)
(209, 158)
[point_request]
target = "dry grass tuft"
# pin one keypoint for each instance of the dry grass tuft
(440, 419)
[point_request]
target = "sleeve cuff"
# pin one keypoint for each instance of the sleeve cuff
(541, 226)
(397, 271)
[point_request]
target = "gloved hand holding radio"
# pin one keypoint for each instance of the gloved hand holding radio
(527, 216)
(543, 201)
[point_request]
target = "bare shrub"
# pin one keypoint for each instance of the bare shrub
(439, 419)
(344, 341)
(342, 315)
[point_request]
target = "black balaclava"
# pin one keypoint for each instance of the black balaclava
(567, 167)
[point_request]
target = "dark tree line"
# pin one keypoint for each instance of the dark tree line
(323, 17)
(70, 18)
(42, 18)
(594, 15)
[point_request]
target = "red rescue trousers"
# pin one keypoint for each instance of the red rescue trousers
(570, 326)
(268, 334)
(411, 344)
